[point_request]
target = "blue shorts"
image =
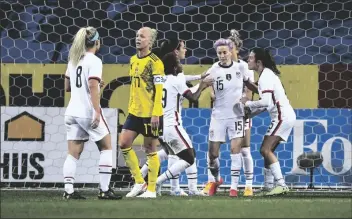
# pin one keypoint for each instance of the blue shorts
(142, 126)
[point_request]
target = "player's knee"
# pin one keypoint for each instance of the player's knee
(213, 155)
(187, 155)
(265, 152)
(245, 151)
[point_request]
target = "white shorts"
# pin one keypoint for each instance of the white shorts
(281, 128)
(234, 128)
(248, 124)
(177, 138)
(80, 129)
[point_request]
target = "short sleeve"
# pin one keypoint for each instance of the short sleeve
(244, 71)
(96, 69)
(181, 87)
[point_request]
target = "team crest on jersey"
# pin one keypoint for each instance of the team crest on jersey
(238, 74)
(228, 77)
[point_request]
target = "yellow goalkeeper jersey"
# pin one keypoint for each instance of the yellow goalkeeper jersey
(146, 86)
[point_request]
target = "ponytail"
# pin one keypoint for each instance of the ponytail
(79, 45)
(235, 38)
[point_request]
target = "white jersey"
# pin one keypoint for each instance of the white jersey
(279, 106)
(249, 73)
(228, 88)
(89, 67)
(174, 88)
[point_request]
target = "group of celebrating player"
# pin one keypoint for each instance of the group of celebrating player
(158, 87)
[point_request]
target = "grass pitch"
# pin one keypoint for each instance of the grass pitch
(49, 204)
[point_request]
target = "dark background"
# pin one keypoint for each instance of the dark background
(296, 32)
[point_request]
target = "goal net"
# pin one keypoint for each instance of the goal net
(310, 41)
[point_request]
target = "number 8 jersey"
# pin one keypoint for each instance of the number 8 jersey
(89, 67)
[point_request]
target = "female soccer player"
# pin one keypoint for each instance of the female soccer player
(174, 134)
(179, 48)
(283, 117)
(229, 79)
(84, 117)
(245, 150)
(145, 112)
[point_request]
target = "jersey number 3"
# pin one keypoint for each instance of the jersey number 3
(78, 76)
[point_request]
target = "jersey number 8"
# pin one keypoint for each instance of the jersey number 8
(78, 77)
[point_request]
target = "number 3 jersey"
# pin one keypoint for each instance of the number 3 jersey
(228, 88)
(89, 67)
(174, 88)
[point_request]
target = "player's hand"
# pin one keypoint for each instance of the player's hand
(96, 120)
(206, 82)
(154, 122)
(101, 84)
(247, 112)
(244, 100)
(212, 96)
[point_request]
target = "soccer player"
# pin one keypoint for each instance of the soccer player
(229, 79)
(174, 134)
(245, 150)
(179, 48)
(273, 98)
(84, 117)
(145, 112)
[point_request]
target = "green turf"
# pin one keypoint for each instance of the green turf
(31, 204)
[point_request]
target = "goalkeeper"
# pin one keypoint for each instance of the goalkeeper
(145, 112)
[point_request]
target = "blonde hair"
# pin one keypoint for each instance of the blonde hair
(235, 37)
(153, 36)
(79, 47)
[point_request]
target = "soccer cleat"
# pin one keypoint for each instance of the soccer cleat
(278, 190)
(178, 193)
(262, 191)
(248, 192)
(108, 195)
(137, 189)
(74, 195)
(233, 193)
(147, 194)
(210, 188)
(196, 193)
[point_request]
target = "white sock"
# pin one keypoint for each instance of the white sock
(69, 171)
(162, 156)
(192, 174)
(214, 169)
(174, 170)
(276, 170)
(174, 181)
(268, 178)
(236, 164)
(210, 176)
(247, 166)
(105, 169)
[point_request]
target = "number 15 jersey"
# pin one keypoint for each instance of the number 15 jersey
(228, 88)
(89, 67)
